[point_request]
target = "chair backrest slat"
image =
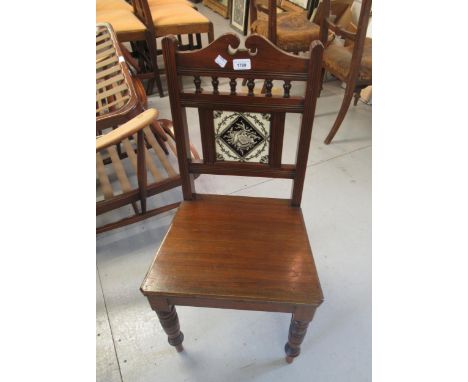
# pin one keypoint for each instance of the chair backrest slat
(241, 129)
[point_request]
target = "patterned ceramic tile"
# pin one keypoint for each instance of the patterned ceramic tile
(242, 137)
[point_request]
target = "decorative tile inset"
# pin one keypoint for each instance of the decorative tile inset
(242, 137)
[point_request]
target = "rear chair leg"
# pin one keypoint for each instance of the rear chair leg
(297, 332)
(170, 323)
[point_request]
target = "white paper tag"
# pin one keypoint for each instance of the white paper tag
(121, 59)
(241, 64)
(221, 61)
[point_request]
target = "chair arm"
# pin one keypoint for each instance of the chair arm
(127, 129)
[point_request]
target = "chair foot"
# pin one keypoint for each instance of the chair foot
(349, 92)
(289, 359)
(357, 95)
(149, 86)
(170, 323)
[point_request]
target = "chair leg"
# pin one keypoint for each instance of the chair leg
(210, 34)
(357, 95)
(150, 86)
(297, 332)
(322, 76)
(199, 43)
(153, 56)
(170, 323)
(341, 114)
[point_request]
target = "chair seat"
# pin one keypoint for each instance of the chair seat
(102, 5)
(337, 60)
(125, 24)
(165, 2)
(178, 19)
(294, 32)
(236, 248)
(176, 14)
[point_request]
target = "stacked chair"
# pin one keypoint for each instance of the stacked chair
(143, 22)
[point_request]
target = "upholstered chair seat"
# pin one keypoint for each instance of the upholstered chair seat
(126, 25)
(112, 5)
(337, 60)
(294, 32)
(172, 18)
(166, 2)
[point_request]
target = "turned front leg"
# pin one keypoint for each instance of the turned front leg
(297, 332)
(170, 323)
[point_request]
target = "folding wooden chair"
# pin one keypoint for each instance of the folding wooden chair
(135, 152)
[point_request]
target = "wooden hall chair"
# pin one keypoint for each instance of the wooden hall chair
(230, 251)
(351, 62)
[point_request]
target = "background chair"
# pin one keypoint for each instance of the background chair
(230, 251)
(135, 152)
(130, 28)
(289, 29)
(350, 63)
(172, 18)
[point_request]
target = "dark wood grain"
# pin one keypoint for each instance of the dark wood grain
(227, 253)
(239, 252)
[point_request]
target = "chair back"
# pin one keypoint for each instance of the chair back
(242, 132)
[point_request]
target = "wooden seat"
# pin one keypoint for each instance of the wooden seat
(113, 5)
(220, 246)
(232, 251)
(165, 2)
(352, 62)
(125, 24)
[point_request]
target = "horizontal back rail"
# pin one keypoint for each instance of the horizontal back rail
(243, 169)
(262, 53)
(261, 103)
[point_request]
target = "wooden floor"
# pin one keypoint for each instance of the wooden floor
(228, 345)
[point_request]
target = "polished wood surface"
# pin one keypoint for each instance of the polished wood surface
(222, 246)
(231, 251)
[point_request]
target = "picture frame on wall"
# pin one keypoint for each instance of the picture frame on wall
(240, 15)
